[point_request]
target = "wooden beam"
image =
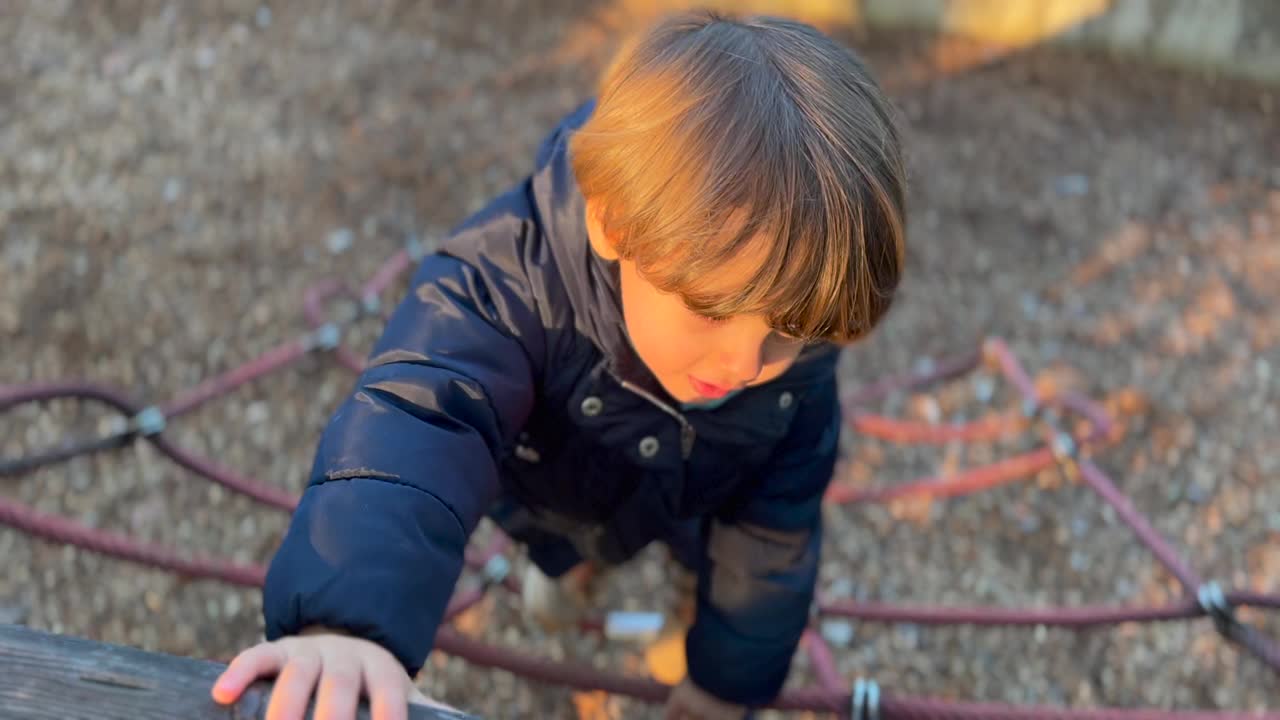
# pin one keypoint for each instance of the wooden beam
(44, 676)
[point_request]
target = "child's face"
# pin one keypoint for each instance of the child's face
(694, 357)
(698, 358)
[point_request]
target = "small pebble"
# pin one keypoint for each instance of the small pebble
(1079, 526)
(340, 240)
(1050, 350)
(1197, 492)
(1124, 587)
(206, 57)
(256, 413)
(931, 410)
(1071, 185)
(840, 588)
(923, 365)
(172, 189)
(984, 388)
(262, 18)
(908, 635)
(1029, 523)
(1079, 561)
(837, 632)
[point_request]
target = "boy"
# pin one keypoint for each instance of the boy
(637, 343)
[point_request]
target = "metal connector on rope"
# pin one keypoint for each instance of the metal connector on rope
(1213, 601)
(149, 421)
(1064, 447)
(866, 700)
(415, 247)
(326, 337)
(496, 569)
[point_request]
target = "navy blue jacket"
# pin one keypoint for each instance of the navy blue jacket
(505, 377)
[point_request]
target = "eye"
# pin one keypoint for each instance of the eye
(714, 319)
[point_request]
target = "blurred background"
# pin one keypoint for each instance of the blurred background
(1096, 181)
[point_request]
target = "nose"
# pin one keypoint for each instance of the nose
(744, 362)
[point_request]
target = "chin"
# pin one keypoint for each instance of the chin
(679, 391)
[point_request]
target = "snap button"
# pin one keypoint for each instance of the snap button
(592, 406)
(785, 400)
(649, 446)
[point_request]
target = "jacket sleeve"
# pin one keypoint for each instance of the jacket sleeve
(407, 465)
(760, 564)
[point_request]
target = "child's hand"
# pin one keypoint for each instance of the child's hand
(689, 702)
(345, 668)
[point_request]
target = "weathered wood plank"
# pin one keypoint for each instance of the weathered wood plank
(44, 676)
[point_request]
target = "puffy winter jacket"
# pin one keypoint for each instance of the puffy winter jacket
(505, 379)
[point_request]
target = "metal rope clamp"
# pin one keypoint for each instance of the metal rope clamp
(1064, 447)
(149, 421)
(866, 700)
(1213, 601)
(325, 337)
(495, 570)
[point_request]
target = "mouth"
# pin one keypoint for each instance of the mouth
(707, 390)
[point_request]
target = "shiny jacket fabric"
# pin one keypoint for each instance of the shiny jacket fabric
(504, 384)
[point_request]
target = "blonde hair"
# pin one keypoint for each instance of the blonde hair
(712, 134)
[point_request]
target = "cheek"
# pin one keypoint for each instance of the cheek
(657, 326)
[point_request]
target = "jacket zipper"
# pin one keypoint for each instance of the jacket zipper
(687, 433)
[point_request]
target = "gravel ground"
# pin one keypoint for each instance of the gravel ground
(173, 175)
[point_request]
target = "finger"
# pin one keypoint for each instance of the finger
(339, 691)
(293, 688)
(258, 661)
(388, 689)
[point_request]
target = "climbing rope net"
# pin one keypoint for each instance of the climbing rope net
(859, 700)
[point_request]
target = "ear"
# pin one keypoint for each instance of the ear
(600, 243)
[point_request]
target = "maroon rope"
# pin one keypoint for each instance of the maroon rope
(387, 274)
(63, 530)
(219, 385)
(1190, 580)
(944, 370)
(274, 497)
(313, 305)
(1078, 618)
(985, 477)
(904, 431)
(824, 664)
(894, 708)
